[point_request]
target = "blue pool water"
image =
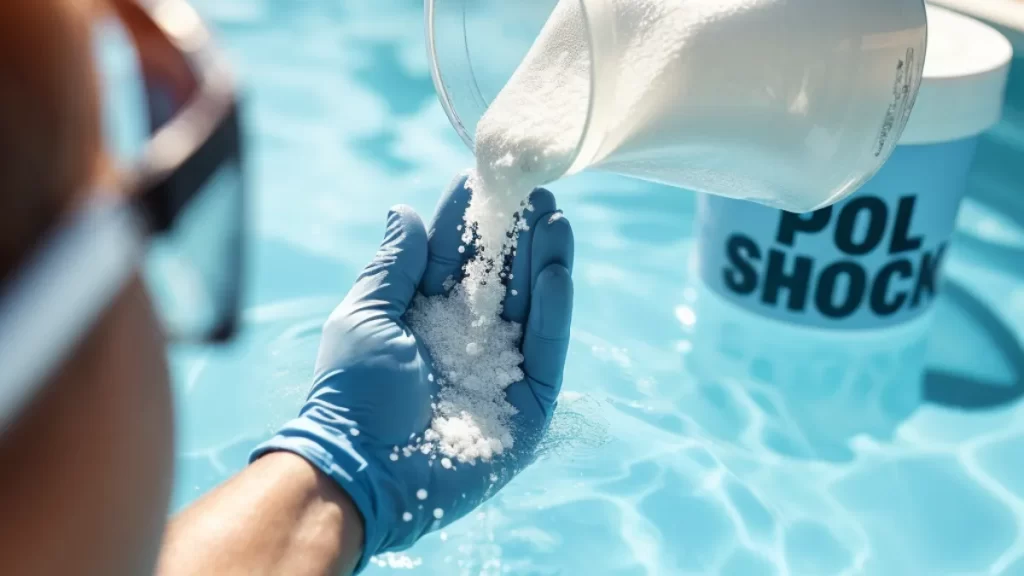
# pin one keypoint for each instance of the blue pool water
(687, 441)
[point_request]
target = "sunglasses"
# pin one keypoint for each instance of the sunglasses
(179, 215)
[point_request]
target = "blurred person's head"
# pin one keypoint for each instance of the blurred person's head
(85, 469)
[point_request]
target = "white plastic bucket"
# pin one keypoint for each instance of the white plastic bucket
(873, 260)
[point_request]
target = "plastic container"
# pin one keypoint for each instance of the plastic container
(793, 104)
(873, 260)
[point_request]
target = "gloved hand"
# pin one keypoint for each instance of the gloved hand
(371, 391)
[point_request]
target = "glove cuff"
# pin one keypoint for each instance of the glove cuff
(346, 468)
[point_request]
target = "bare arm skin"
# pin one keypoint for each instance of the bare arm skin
(279, 516)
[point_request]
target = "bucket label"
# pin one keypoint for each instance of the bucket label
(872, 260)
(798, 282)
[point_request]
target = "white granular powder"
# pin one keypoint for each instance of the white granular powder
(474, 362)
(529, 137)
(743, 98)
(531, 132)
(526, 139)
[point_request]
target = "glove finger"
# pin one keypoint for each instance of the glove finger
(389, 282)
(546, 338)
(553, 243)
(517, 299)
(445, 239)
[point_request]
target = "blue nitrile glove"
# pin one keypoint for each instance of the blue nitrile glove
(371, 390)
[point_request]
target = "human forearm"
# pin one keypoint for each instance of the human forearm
(279, 516)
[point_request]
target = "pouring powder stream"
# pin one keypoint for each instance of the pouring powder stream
(529, 137)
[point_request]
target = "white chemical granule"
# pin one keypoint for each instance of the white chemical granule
(421, 494)
(438, 513)
(407, 516)
(394, 457)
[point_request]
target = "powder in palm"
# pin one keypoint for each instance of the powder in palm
(474, 363)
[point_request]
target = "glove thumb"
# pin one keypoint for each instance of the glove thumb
(389, 282)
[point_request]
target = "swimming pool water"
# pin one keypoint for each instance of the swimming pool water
(687, 441)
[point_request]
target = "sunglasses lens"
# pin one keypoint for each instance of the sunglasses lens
(195, 208)
(122, 87)
(193, 269)
(162, 102)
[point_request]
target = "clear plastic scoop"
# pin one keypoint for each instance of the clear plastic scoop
(789, 103)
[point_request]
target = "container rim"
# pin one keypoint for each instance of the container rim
(437, 76)
(964, 81)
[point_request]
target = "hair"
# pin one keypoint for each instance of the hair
(50, 134)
